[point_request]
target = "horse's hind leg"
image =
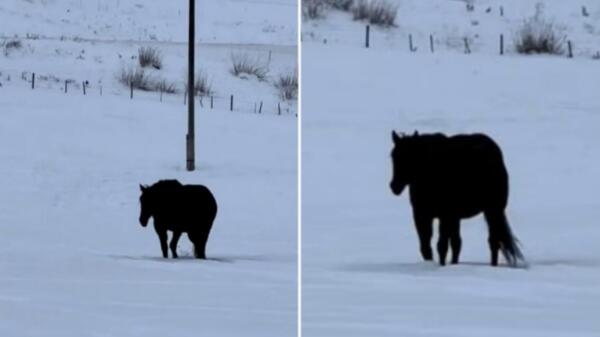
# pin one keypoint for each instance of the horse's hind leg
(199, 239)
(173, 244)
(495, 222)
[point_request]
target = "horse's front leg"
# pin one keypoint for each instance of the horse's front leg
(443, 240)
(424, 226)
(173, 244)
(162, 236)
(455, 240)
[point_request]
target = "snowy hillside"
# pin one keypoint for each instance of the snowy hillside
(94, 41)
(75, 261)
(362, 271)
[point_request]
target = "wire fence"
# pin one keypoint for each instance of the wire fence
(70, 86)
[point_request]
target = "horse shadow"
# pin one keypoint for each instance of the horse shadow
(413, 268)
(189, 258)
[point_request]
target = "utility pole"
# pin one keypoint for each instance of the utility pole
(190, 135)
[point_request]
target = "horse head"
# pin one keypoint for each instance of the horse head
(146, 205)
(401, 158)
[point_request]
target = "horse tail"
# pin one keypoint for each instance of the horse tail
(509, 244)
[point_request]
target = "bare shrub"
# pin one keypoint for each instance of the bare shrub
(13, 44)
(162, 85)
(376, 12)
(343, 5)
(150, 57)
(135, 77)
(242, 64)
(539, 36)
(313, 9)
(287, 84)
(202, 86)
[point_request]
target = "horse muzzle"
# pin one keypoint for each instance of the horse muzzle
(397, 188)
(144, 221)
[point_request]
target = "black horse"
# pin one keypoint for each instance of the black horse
(179, 208)
(453, 178)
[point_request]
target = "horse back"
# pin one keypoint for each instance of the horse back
(463, 174)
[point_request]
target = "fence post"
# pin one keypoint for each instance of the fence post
(501, 11)
(431, 42)
(32, 80)
(367, 31)
(131, 90)
(467, 49)
(231, 103)
(570, 49)
(260, 107)
(211, 101)
(279, 108)
(501, 44)
(66, 86)
(410, 44)
(83, 85)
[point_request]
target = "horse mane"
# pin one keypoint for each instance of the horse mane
(165, 185)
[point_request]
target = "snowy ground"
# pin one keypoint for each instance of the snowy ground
(75, 261)
(362, 271)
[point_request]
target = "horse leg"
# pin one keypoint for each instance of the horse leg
(494, 221)
(424, 225)
(199, 241)
(162, 236)
(173, 244)
(443, 240)
(455, 240)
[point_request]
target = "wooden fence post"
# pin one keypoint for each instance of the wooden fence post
(501, 44)
(231, 103)
(131, 90)
(211, 101)
(32, 80)
(279, 108)
(260, 107)
(367, 31)
(410, 44)
(83, 86)
(431, 43)
(467, 48)
(570, 49)
(66, 86)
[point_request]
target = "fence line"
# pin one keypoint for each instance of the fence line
(231, 102)
(467, 44)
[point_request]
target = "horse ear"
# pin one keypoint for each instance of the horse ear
(142, 188)
(416, 133)
(395, 137)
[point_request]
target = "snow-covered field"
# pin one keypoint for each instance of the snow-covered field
(94, 41)
(362, 271)
(75, 261)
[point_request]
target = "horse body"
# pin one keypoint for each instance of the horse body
(181, 209)
(454, 178)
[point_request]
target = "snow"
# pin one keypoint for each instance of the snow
(75, 261)
(362, 271)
